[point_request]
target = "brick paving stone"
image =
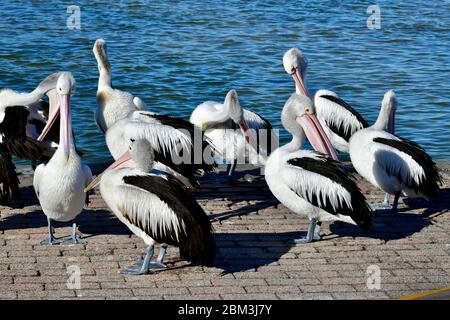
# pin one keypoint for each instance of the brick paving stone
(254, 260)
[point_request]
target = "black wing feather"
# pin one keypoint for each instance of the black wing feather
(429, 186)
(196, 241)
(359, 211)
(340, 128)
(9, 183)
(15, 139)
(188, 170)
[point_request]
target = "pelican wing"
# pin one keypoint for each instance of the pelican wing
(266, 139)
(409, 163)
(163, 138)
(9, 183)
(37, 177)
(167, 212)
(256, 121)
(321, 182)
(192, 132)
(339, 116)
(14, 135)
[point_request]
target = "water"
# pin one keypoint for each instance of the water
(177, 54)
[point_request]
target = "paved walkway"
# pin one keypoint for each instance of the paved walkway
(410, 250)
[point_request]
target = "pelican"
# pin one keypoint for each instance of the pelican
(20, 123)
(252, 142)
(112, 104)
(339, 120)
(156, 208)
(393, 164)
(312, 184)
(121, 117)
(59, 184)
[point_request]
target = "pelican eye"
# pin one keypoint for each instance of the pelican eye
(308, 110)
(293, 70)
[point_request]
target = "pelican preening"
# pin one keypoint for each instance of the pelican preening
(308, 183)
(156, 208)
(393, 164)
(22, 118)
(112, 104)
(120, 117)
(252, 142)
(339, 120)
(59, 184)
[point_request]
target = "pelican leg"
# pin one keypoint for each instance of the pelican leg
(142, 265)
(313, 233)
(386, 199)
(73, 238)
(51, 238)
(158, 264)
(395, 204)
(383, 205)
(231, 168)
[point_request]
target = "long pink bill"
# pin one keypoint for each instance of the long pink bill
(247, 134)
(299, 83)
(65, 134)
(316, 136)
(54, 114)
(122, 162)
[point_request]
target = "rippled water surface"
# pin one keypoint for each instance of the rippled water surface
(176, 54)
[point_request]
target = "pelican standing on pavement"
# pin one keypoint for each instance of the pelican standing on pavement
(309, 183)
(339, 120)
(395, 165)
(237, 133)
(59, 184)
(156, 208)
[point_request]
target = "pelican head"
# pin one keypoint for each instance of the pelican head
(139, 155)
(299, 110)
(65, 88)
(296, 64)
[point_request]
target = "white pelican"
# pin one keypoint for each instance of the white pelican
(120, 116)
(156, 208)
(339, 120)
(237, 134)
(20, 124)
(393, 164)
(112, 104)
(59, 184)
(308, 183)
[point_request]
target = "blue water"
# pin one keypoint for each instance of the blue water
(176, 54)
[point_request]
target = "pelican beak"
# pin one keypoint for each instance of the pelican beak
(299, 83)
(391, 123)
(245, 129)
(124, 161)
(53, 115)
(66, 133)
(316, 136)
